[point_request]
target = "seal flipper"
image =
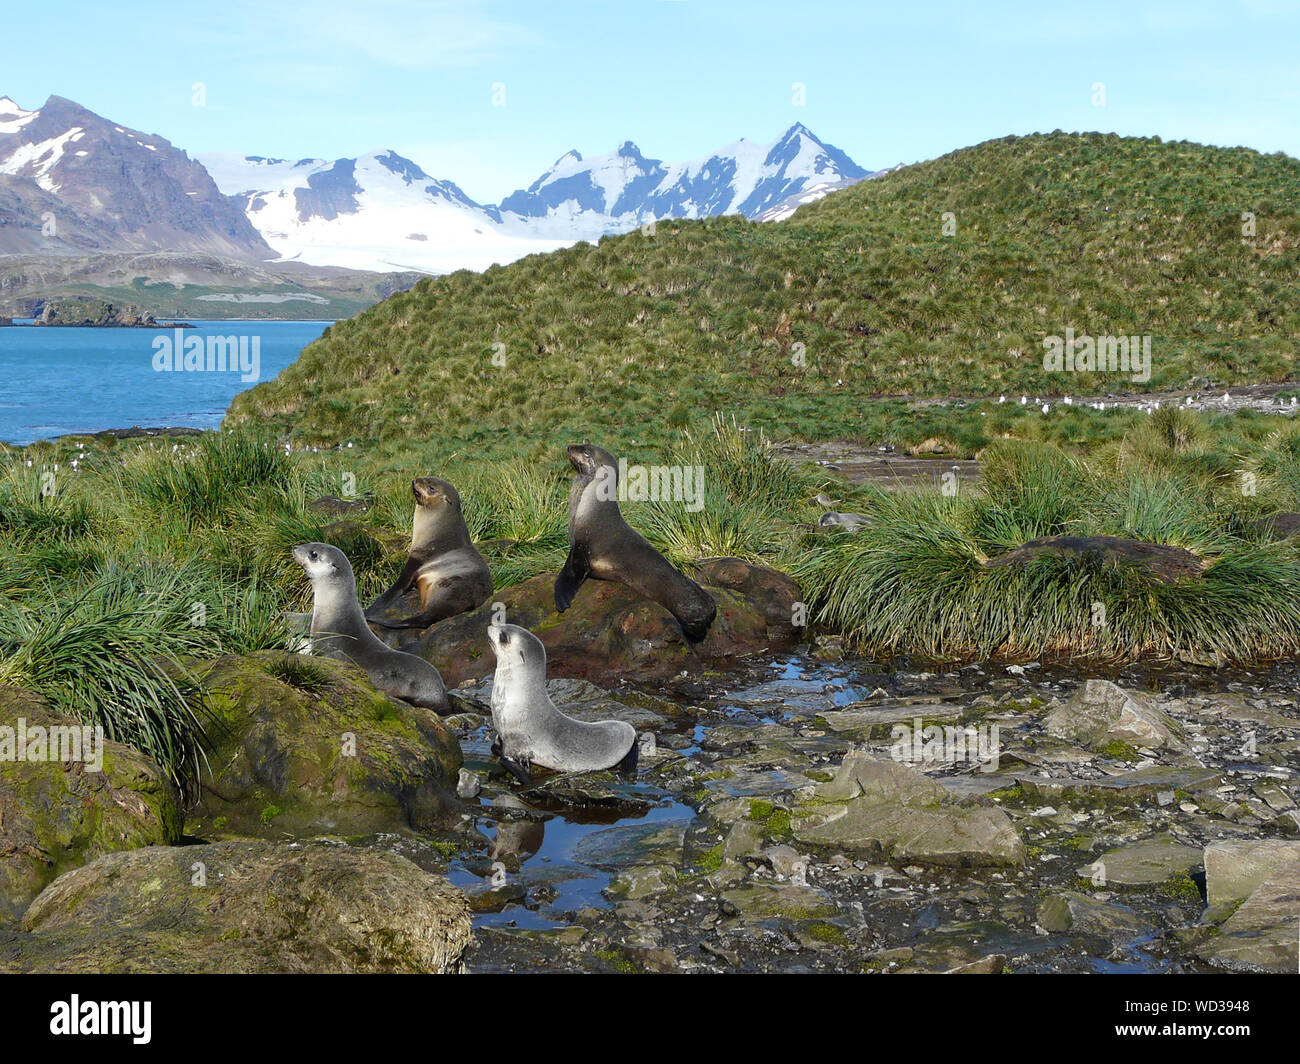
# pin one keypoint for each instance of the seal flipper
(630, 759)
(518, 769)
(577, 567)
(391, 609)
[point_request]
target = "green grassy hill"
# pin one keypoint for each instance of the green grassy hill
(642, 336)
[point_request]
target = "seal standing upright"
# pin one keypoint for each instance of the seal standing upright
(339, 630)
(603, 546)
(531, 731)
(444, 575)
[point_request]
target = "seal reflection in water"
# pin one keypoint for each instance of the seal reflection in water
(339, 630)
(444, 574)
(531, 731)
(603, 546)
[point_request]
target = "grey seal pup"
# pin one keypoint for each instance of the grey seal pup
(339, 630)
(531, 731)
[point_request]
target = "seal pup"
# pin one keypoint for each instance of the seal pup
(531, 731)
(443, 569)
(847, 522)
(832, 518)
(339, 630)
(603, 546)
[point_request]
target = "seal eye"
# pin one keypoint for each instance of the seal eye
(314, 556)
(505, 638)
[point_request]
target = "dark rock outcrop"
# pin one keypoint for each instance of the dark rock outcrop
(1156, 560)
(610, 631)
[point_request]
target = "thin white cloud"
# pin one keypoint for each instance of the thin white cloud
(410, 34)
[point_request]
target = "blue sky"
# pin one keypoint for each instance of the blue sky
(887, 82)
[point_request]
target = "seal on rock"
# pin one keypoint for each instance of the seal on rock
(339, 630)
(603, 546)
(531, 731)
(443, 570)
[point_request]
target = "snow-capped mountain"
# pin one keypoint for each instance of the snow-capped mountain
(581, 198)
(382, 211)
(71, 181)
(74, 182)
(378, 212)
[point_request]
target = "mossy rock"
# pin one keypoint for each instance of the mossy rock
(243, 906)
(305, 746)
(57, 815)
(610, 630)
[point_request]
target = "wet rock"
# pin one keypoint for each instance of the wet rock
(246, 906)
(786, 861)
(874, 722)
(890, 811)
(1080, 914)
(634, 844)
(643, 881)
(993, 964)
(1261, 934)
(1146, 863)
(1140, 784)
(611, 631)
(588, 790)
(1155, 560)
(468, 784)
(56, 815)
(305, 746)
(1101, 712)
(760, 902)
(1234, 869)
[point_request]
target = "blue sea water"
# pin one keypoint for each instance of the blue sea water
(54, 381)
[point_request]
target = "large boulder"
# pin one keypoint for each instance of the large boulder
(1102, 712)
(1157, 561)
(305, 746)
(892, 812)
(610, 630)
(1234, 869)
(1253, 891)
(57, 814)
(245, 906)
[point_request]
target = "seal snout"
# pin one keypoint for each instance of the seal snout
(580, 458)
(427, 490)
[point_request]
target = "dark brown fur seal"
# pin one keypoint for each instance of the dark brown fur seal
(444, 575)
(603, 546)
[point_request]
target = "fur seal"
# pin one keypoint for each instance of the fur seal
(531, 731)
(339, 630)
(832, 518)
(444, 575)
(603, 546)
(848, 522)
